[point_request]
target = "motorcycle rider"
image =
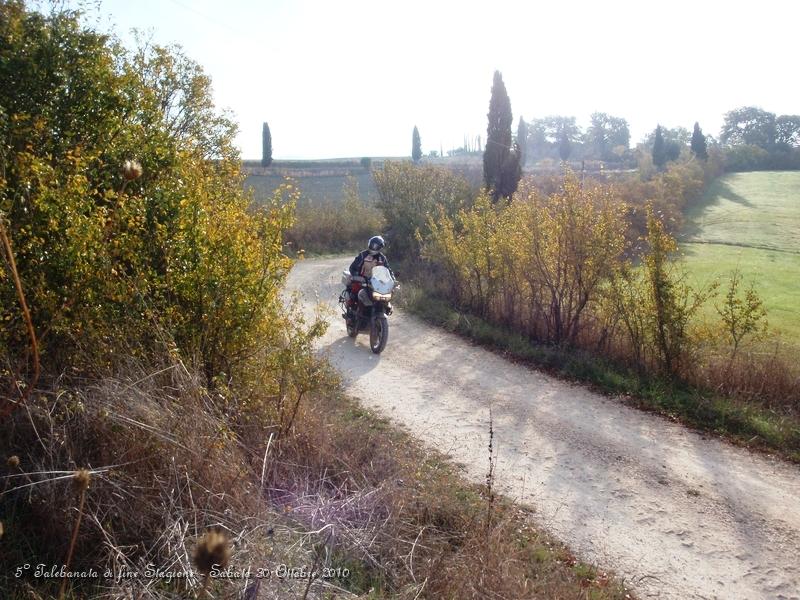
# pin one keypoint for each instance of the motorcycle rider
(370, 258)
(363, 264)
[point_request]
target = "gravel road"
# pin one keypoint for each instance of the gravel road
(673, 512)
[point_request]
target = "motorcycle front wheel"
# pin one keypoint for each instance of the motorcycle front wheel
(379, 334)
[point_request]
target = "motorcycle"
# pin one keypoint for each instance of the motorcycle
(370, 307)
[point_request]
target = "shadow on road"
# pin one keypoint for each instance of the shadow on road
(352, 357)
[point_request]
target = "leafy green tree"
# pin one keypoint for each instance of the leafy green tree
(545, 135)
(749, 125)
(416, 145)
(555, 125)
(788, 131)
(659, 151)
(522, 141)
(699, 148)
(266, 146)
(606, 133)
(498, 169)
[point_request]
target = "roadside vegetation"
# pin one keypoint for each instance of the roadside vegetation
(163, 410)
(583, 277)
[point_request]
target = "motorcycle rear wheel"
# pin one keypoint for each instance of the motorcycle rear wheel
(352, 326)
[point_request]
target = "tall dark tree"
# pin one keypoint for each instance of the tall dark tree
(659, 151)
(266, 146)
(416, 145)
(498, 172)
(511, 173)
(699, 148)
(522, 141)
(564, 145)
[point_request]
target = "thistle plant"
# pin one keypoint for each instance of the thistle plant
(131, 169)
(213, 550)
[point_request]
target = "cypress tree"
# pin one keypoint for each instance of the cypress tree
(522, 141)
(511, 173)
(416, 145)
(497, 170)
(659, 152)
(699, 148)
(266, 146)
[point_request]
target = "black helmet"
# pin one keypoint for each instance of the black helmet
(376, 243)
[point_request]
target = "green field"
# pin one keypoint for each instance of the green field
(751, 221)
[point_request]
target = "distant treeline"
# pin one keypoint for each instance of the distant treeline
(750, 139)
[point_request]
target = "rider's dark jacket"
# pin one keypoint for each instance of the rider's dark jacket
(364, 263)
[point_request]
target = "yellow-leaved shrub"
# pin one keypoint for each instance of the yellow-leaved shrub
(124, 205)
(536, 264)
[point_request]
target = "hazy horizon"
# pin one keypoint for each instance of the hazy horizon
(352, 79)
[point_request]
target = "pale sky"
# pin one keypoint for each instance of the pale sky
(351, 78)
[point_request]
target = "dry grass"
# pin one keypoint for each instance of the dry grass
(166, 467)
(339, 490)
(413, 526)
(334, 226)
(765, 375)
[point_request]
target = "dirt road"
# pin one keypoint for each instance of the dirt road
(676, 514)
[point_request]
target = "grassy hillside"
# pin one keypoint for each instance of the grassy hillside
(757, 210)
(751, 221)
